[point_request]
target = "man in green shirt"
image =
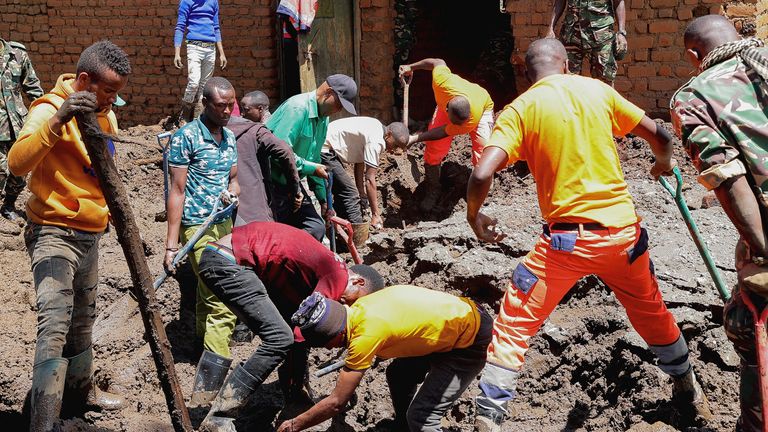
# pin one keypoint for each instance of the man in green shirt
(302, 122)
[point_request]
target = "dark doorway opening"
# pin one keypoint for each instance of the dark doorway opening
(475, 39)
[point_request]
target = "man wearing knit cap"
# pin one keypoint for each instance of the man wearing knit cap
(437, 340)
(262, 272)
(302, 122)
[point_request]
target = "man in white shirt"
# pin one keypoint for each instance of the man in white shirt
(359, 141)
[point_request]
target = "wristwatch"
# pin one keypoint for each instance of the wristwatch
(623, 33)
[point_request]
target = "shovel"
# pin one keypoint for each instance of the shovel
(761, 335)
(406, 82)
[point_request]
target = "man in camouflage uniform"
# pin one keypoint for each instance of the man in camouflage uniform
(16, 76)
(588, 30)
(720, 116)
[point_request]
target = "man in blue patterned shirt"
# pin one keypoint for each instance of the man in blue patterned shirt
(203, 164)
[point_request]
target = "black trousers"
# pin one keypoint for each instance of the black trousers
(305, 218)
(346, 199)
(246, 296)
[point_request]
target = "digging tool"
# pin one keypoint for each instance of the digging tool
(406, 82)
(329, 202)
(349, 232)
(129, 236)
(760, 319)
(165, 147)
(215, 213)
(677, 195)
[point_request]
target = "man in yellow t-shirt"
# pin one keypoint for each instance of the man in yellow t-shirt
(462, 108)
(436, 339)
(563, 126)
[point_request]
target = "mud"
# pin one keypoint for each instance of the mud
(587, 370)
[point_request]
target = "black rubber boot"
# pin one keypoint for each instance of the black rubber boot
(233, 396)
(47, 392)
(80, 392)
(210, 374)
(432, 184)
(8, 209)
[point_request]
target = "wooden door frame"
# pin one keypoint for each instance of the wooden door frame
(356, 38)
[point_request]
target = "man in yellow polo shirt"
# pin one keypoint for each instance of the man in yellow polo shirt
(436, 339)
(462, 108)
(563, 126)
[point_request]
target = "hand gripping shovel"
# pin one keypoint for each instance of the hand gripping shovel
(761, 335)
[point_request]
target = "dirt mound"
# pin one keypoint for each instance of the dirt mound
(586, 370)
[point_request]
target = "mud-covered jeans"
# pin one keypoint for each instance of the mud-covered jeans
(444, 377)
(200, 64)
(346, 198)
(305, 218)
(65, 267)
(242, 291)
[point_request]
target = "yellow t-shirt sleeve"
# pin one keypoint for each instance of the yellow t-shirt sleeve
(508, 135)
(626, 115)
(440, 75)
(361, 352)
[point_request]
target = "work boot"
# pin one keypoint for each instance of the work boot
(233, 396)
(360, 232)
(210, 374)
(81, 394)
(488, 420)
(432, 186)
(185, 116)
(46, 394)
(8, 209)
(690, 400)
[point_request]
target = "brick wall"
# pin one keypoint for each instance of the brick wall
(761, 20)
(377, 48)
(56, 31)
(655, 66)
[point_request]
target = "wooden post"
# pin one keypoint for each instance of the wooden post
(130, 240)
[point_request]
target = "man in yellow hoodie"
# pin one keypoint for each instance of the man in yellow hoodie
(67, 215)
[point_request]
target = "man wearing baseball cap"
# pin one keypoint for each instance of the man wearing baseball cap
(436, 339)
(302, 122)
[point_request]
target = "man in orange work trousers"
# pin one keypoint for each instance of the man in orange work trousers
(563, 126)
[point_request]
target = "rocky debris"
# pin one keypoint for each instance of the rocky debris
(716, 347)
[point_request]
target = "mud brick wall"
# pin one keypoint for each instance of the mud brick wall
(56, 31)
(377, 48)
(655, 65)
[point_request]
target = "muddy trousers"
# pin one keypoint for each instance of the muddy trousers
(10, 185)
(739, 327)
(443, 377)
(244, 293)
(619, 256)
(305, 218)
(200, 63)
(214, 322)
(346, 198)
(436, 150)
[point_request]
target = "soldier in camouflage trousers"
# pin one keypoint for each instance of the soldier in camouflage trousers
(721, 117)
(16, 77)
(588, 30)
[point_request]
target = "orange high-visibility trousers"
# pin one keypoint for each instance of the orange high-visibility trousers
(619, 256)
(436, 150)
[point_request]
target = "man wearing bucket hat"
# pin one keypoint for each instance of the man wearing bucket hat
(262, 272)
(302, 122)
(437, 340)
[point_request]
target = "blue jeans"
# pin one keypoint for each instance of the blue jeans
(65, 267)
(246, 296)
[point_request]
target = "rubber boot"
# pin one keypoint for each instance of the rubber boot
(8, 209)
(81, 394)
(233, 396)
(360, 232)
(185, 116)
(488, 420)
(47, 392)
(432, 184)
(690, 400)
(210, 374)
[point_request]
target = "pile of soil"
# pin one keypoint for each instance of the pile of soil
(586, 370)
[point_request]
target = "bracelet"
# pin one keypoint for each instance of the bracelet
(172, 249)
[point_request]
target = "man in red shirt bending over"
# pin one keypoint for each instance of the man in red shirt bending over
(262, 272)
